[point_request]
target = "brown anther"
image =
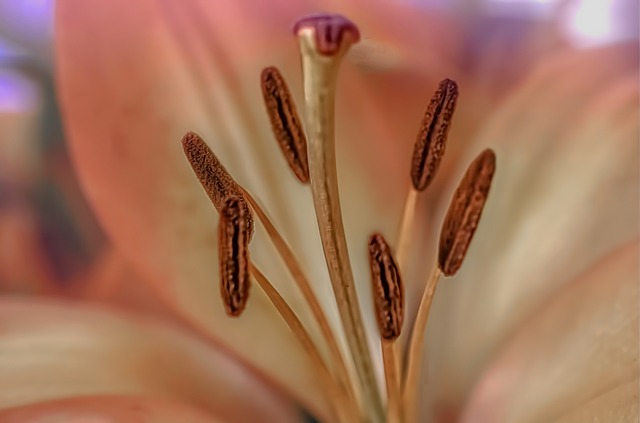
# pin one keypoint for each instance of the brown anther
(464, 212)
(432, 136)
(213, 177)
(330, 31)
(388, 292)
(233, 252)
(285, 122)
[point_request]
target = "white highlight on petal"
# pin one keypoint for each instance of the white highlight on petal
(594, 22)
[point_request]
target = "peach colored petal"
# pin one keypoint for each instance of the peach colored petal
(112, 280)
(126, 109)
(565, 193)
(578, 350)
(109, 409)
(53, 350)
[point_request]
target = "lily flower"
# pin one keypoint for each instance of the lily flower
(539, 323)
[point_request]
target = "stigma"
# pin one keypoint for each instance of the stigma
(308, 147)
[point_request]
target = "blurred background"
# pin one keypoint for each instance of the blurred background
(48, 238)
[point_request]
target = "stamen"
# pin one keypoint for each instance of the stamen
(323, 42)
(388, 293)
(457, 231)
(344, 410)
(285, 122)
(213, 177)
(427, 154)
(407, 229)
(464, 212)
(388, 296)
(432, 137)
(233, 251)
(415, 353)
(303, 283)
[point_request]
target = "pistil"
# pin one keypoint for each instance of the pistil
(324, 40)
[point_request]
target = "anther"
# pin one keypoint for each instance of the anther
(213, 177)
(233, 252)
(330, 31)
(388, 291)
(464, 212)
(432, 136)
(285, 122)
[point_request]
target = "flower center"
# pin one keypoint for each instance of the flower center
(324, 41)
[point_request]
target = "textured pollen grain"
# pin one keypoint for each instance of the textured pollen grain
(388, 291)
(432, 137)
(233, 252)
(330, 31)
(464, 212)
(285, 122)
(213, 177)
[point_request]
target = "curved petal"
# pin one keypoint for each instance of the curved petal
(618, 405)
(132, 83)
(110, 409)
(579, 350)
(565, 192)
(57, 350)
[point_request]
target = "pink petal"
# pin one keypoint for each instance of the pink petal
(52, 350)
(578, 350)
(565, 193)
(109, 409)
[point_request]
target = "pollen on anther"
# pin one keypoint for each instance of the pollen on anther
(233, 252)
(432, 137)
(330, 31)
(388, 291)
(214, 178)
(286, 124)
(464, 212)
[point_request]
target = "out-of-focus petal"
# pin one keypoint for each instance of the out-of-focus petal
(110, 279)
(110, 409)
(565, 192)
(25, 267)
(57, 350)
(131, 86)
(618, 405)
(579, 350)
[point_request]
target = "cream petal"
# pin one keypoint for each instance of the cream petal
(52, 350)
(565, 192)
(110, 409)
(578, 350)
(618, 405)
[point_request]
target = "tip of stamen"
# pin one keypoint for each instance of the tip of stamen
(233, 252)
(432, 137)
(331, 31)
(388, 291)
(214, 178)
(285, 122)
(464, 212)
